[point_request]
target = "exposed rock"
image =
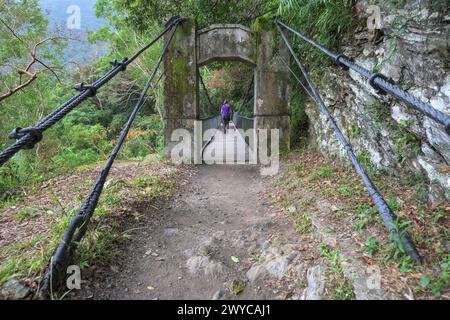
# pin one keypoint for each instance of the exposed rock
(276, 261)
(431, 154)
(316, 283)
(277, 267)
(256, 272)
(196, 264)
(218, 235)
(219, 295)
(214, 269)
(171, 232)
(438, 138)
(440, 181)
(202, 265)
(376, 125)
(15, 290)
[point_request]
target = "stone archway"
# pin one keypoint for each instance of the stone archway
(191, 48)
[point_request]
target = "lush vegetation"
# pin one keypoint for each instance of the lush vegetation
(87, 134)
(36, 79)
(227, 81)
(311, 177)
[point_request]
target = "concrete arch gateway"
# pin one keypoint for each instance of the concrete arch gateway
(190, 48)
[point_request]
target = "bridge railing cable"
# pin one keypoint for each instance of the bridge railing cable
(387, 215)
(379, 82)
(243, 122)
(239, 119)
(212, 122)
(78, 225)
(212, 108)
(27, 138)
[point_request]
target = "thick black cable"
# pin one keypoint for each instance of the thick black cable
(78, 225)
(298, 80)
(379, 82)
(388, 217)
(28, 137)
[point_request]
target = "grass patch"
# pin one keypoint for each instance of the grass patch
(303, 222)
(27, 259)
(321, 172)
(346, 191)
(153, 187)
(338, 287)
(440, 281)
(319, 177)
(364, 214)
(379, 113)
(371, 247)
(27, 213)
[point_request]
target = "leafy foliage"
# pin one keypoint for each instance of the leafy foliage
(204, 11)
(87, 134)
(227, 81)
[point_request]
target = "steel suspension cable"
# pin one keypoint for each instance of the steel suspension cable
(27, 138)
(388, 217)
(78, 225)
(298, 80)
(379, 82)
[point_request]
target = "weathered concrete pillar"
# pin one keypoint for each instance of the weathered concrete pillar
(272, 109)
(181, 86)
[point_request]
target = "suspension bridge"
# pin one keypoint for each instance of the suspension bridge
(185, 50)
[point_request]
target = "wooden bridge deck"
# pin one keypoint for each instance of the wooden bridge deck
(229, 148)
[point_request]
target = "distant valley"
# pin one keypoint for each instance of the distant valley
(79, 50)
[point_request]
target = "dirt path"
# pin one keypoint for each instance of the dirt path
(227, 232)
(215, 238)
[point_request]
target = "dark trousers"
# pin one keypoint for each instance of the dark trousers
(226, 121)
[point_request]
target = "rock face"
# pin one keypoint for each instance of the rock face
(316, 283)
(15, 290)
(411, 48)
(275, 262)
(202, 265)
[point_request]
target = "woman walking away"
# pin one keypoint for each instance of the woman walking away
(225, 112)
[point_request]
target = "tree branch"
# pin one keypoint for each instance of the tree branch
(31, 76)
(20, 87)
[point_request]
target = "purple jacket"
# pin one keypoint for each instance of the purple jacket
(225, 110)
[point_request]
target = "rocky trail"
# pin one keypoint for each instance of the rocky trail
(219, 237)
